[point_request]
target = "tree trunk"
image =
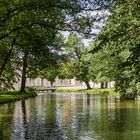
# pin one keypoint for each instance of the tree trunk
(42, 82)
(106, 85)
(102, 85)
(23, 79)
(51, 84)
(88, 85)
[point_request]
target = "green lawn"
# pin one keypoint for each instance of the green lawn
(94, 91)
(11, 96)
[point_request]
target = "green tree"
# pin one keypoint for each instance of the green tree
(7, 66)
(19, 18)
(65, 70)
(119, 43)
(35, 53)
(100, 68)
(78, 54)
(50, 74)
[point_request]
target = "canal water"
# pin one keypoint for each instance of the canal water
(70, 116)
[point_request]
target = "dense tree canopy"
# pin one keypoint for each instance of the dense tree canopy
(119, 43)
(24, 24)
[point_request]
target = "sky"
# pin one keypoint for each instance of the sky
(89, 40)
(97, 26)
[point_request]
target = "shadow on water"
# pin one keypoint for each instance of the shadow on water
(70, 117)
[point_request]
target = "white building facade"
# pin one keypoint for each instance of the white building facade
(44, 83)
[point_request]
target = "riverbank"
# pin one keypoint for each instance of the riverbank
(94, 91)
(11, 96)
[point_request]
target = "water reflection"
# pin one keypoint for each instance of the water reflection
(6, 117)
(70, 117)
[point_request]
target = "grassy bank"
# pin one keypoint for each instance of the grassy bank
(11, 96)
(94, 91)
